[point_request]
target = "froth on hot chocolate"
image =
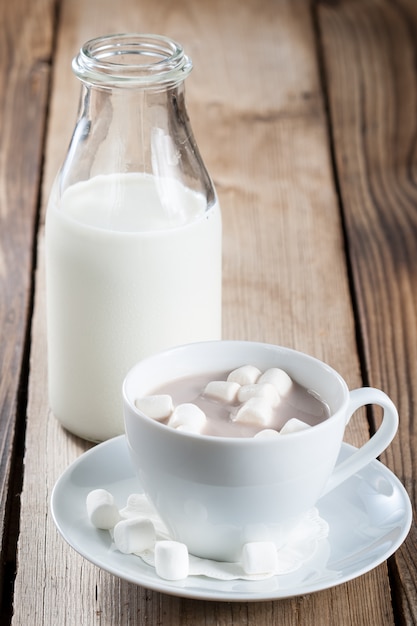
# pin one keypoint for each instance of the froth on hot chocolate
(245, 402)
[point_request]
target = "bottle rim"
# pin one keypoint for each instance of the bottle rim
(132, 60)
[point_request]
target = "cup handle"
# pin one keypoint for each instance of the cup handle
(376, 444)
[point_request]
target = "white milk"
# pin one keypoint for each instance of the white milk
(133, 266)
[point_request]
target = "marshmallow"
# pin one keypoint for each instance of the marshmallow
(158, 407)
(101, 509)
(137, 505)
(256, 411)
(138, 502)
(277, 377)
(134, 535)
(293, 425)
(188, 417)
(171, 560)
(259, 557)
(245, 375)
(222, 390)
(267, 433)
(259, 390)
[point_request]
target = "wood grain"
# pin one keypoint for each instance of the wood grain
(369, 56)
(25, 48)
(256, 103)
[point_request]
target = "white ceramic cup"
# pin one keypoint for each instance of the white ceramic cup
(217, 493)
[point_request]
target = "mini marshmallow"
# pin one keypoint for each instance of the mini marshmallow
(158, 407)
(267, 433)
(256, 411)
(137, 505)
(134, 535)
(138, 502)
(245, 375)
(259, 390)
(171, 560)
(293, 425)
(259, 557)
(222, 390)
(188, 417)
(277, 377)
(101, 509)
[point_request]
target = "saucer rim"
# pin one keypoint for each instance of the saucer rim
(146, 575)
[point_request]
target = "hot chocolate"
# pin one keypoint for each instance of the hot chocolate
(243, 403)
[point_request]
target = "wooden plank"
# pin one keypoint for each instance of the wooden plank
(25, 46)
(369, 52)
(263, 133)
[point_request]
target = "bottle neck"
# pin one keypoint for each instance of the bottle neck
(132, 116)
(133, 130)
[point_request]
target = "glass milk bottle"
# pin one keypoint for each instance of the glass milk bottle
(133, 231)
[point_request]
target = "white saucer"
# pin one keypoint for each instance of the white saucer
(369, 517)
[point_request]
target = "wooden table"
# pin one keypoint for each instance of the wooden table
(306, 115)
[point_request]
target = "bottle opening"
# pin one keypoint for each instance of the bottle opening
(136, 60)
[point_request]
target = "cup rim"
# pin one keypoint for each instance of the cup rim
(228, 439)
